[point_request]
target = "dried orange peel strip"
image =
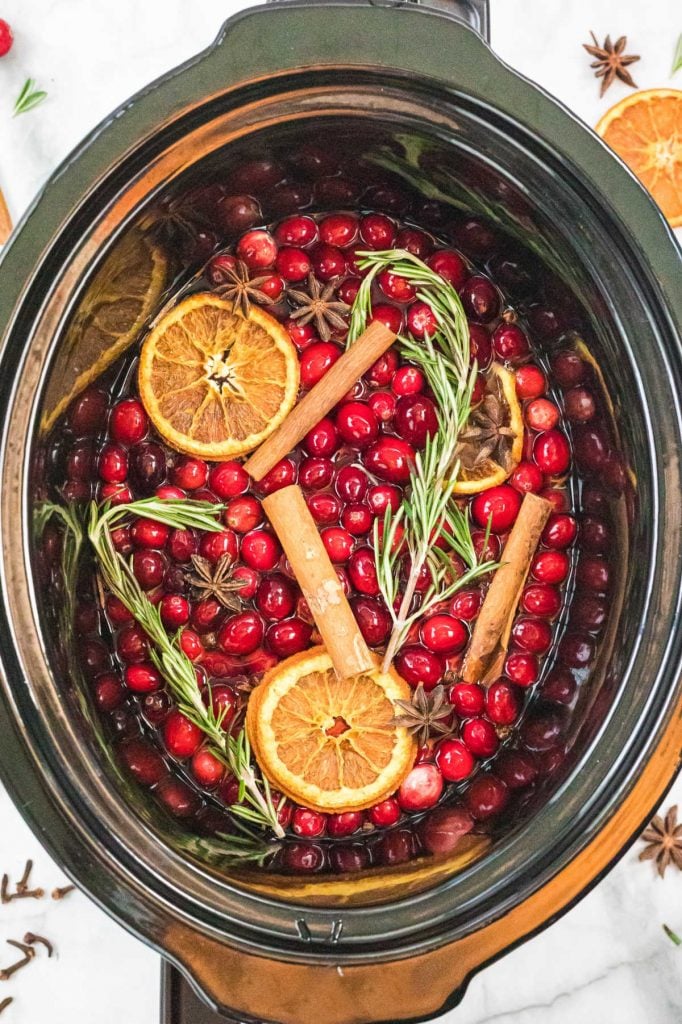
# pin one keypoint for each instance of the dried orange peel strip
(490, 473)
(214, 383)
(326, 743)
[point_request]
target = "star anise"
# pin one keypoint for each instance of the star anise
(317, 304)
(487, 434)
(664, 837)
(426, 714)
(611, 62)
(209, 580)
(241, 291)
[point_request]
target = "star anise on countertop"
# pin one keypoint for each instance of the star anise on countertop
(487, 434)
(664, 837)
(611, 62)
(241, 290)
(317, 304)
(426, 714)
(209, 580)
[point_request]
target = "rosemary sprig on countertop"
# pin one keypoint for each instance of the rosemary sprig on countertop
(255, 804)
(28, 98)
(428, 513)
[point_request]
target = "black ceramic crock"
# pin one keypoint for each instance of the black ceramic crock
(417, 89)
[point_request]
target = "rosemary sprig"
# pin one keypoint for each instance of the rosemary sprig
(429, 512)
(255, 799)
(28, 98)
(677, 59)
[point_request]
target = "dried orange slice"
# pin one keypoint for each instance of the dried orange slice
(215, 383)
(327, 743)
(645, 130)
(478, 474)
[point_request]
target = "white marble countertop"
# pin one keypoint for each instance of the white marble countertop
(607, 960)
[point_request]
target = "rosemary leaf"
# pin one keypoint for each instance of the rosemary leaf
(28, 98)
(677, 59)
(672, 935)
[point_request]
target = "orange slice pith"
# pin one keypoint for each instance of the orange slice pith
(645, 130)
(489, 473)
(327, 743)
(214, 383)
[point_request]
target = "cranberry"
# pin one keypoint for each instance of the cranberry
(142, 761)
(550, 566)
(351, 483)
(455, 760)
(349, 289)
(396, 287)
(522, 668)
(144, 678)
(190, 474)
(468, 699)
(128, 423)
(339, 229)
(181, 736)
(241, 634)
(344, 824)
(297, 230)
(595, 535)
(243, 513)
(532, 635)
(324, 508)
(485, 551)
(527, 478)
(215, 545)
(191, 644)
(390, 458)
(557, 498)
(383, 496)
(568, 369)
(486, 796)
(315, 473)
(530, 382)
(480, 737)
(81, 461)
(560, 531)
(328, 262)
(257, 249)
(390, 316)
(362, 571)
(466, 605)
(381, 372)
(502, 705)
(357, 424)
(168, 492)
(377, 231)
(308, 824)
(132, 645)
(480, 298)
(6, 38)
(335, 192)
(498, 506)
(220, 268)
(408, 380)
(282, 474)
(416, 419)
(276, 597)
(579, 405)
(223, 701)
(108, 692)
(338, 543)
(385, 814)
(206, 768)
(588, 612)
(511, 344)
(88, 412)
(316, 360)
(516, 770)
(148, 533)
(476, 236)
(559, 686)
(148, 567)
(442, 830)
(174, 611)
(288, 637)
(395, 847)
(372, 618)
(357, 520)
(227, 480)
(594, 498)
(541, 599)
(94, 657)
(449, 265)
(417, 665)
(414, 241)
(113, 464)
(443, 635)
(593, 573)
(544, 730)
(480, 347)
(260, 550)
(293, 264)
(206, 615)
(421, 789)
(383, 405)
(238, 213)
(302, 335)
(177, 797)
(147, 464)
(421, 320)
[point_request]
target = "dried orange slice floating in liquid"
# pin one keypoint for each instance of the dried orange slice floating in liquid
(215, 383)
(475, 476)
(645, 130)
(327, 743)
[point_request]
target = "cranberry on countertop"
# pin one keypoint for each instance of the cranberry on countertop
(6, 38)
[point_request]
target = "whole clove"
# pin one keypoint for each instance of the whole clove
(31, 938)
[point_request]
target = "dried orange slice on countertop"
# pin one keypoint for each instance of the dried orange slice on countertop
(498, 410)
(216, 383)
(645, 130)
(326, 743)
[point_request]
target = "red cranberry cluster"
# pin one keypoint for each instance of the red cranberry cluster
(353, 465)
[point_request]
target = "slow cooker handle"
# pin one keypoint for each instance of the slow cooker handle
(475, 13)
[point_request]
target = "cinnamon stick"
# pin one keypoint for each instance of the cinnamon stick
(490, 639)
(321, 398)
(5, 220)
(287, 511)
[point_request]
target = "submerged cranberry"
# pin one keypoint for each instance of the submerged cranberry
(442, 830)
(237, 213)
(415, 419)
(421, 320)
(417, 665)
(88, 412)
(422, 788)
(486, 796)
(511, 345)
(372, 618)
(177, 797)
(142, 761)
(147, 466)
(480, 299)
